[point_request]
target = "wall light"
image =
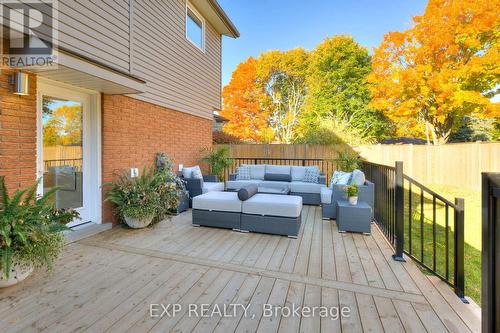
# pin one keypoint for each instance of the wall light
(20, 81)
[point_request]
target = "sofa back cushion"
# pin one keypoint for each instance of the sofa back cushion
(278, 169)
(278, 177)
(298, 173)
(257, 171)
(247, 192)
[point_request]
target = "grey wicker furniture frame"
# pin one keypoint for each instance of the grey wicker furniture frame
(366, 193)
(276, 225)
(354, 218)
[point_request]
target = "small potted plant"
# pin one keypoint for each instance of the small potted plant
(136, 199)
(352, 194)
(30, 232)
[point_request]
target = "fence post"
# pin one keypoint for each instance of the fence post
(399, 217)
(459, 249)
(490, 293)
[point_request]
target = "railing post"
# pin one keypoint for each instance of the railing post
(490, 293)
(399, 214)
(459, 249)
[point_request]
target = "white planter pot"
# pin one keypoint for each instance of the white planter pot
(353, 200)
(138, 223)
(17, 274)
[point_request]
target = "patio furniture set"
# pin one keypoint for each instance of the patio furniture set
(269, 199)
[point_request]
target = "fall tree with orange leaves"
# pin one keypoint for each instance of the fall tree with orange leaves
(243, 103)
(444, 68)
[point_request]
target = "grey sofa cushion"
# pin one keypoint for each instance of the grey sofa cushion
(218, 201)
(212, 187)
(278, 169)
(247, 192)
(305, 187)
(188, 172)
(257, 171)
(279, 177)
(298, 173)
(237, 184)
(274, 184)
(273, 205)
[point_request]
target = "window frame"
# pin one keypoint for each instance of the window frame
(190, 7)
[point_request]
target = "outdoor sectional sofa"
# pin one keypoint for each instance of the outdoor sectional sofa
(256, 212)
(281, 176)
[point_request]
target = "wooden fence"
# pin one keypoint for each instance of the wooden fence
(457, 164)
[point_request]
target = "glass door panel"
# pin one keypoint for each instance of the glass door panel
(62, 144)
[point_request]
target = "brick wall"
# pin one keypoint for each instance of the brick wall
(17, 134)
(134, 131)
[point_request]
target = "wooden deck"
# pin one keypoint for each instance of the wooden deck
(107, 282)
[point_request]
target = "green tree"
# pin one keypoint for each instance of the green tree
(337, 89)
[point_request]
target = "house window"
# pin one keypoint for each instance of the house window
(195, 27)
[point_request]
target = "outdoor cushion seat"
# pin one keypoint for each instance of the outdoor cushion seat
(326, 195)
(212, 187)
(273, 205)
(274, 184)
(218, 201)
(237, 184)
(304, 187)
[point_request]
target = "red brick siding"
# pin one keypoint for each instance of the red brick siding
(17, 134)
(133, 132)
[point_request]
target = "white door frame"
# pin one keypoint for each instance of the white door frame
(92, 148)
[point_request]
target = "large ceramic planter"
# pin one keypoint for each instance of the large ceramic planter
(138, 223)
(17, 274)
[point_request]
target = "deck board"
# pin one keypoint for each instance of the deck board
(108, 281)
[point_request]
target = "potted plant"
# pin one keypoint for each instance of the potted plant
(352, 194)
(136, 199)
(30, 232)
(218, 160)
(170, 187)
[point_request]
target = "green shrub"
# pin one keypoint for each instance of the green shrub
(30, 228)
(352, 191)
(218, 160)
(347, 161)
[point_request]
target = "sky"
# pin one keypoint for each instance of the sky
(285, 24)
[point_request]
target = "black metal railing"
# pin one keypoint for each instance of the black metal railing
(420, 223)
(416, 220)
(77, 163)
(490, 295)
(326, 166)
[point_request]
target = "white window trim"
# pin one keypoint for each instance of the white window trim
(202, 20)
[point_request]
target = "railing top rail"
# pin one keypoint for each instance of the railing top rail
(281, 158)
(380, 165)
(428, 190)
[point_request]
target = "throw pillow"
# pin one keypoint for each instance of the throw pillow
(311, 175)
(358, 178)
(196, 173)
(243, 173)
(186, 172)
(344, 179)
(278, 177)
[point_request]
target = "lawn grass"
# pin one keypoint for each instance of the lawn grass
(472, 234)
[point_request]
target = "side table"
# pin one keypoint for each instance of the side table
(354, 218)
